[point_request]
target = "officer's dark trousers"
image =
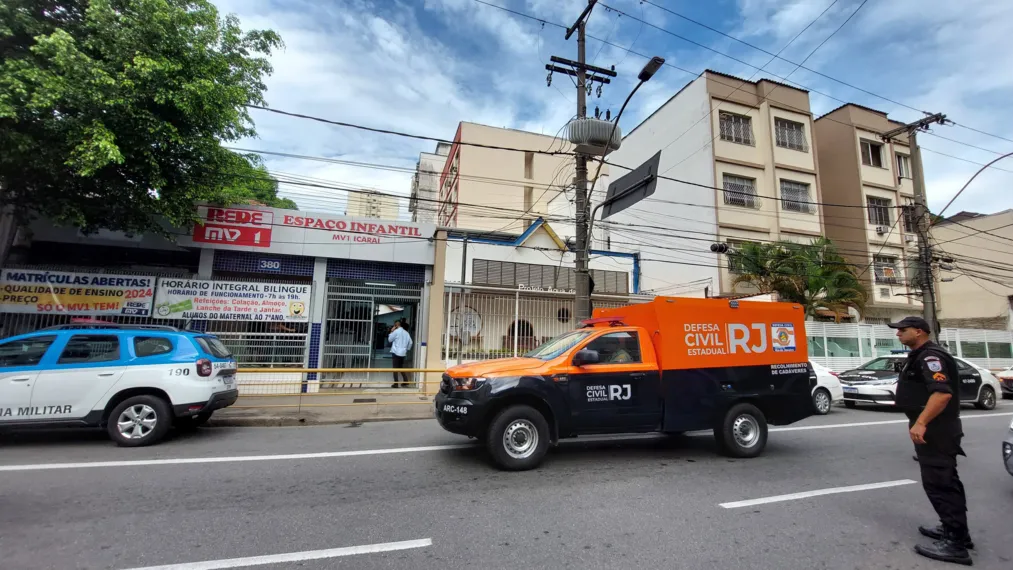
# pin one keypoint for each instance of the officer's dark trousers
(938, 460)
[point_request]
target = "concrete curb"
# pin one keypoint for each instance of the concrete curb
(308, 419)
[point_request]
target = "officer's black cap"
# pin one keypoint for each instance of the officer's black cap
(912, 323)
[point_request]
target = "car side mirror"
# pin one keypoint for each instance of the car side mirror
(585, 357)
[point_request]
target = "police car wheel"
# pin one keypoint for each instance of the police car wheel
(742, 432)
(986, 401)
(822, 401)
(518, 438)
(139, 421)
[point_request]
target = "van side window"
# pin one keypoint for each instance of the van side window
(86, 349)
(617, 348)
(151, 346)
(24, 352)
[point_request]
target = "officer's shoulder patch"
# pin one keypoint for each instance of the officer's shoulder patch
(939, 377)
(933, 363)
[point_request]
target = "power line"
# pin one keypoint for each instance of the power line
(964, 159)
(673, 66)
(714, 108)
(401, 134)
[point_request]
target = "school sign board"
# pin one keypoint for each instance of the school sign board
(66, 293)
(201, 299)
(290, 232)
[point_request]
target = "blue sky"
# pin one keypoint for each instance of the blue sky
(421, 66)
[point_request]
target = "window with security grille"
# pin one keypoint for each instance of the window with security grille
(795, 197)
(734, 263)
(879, 211)
(910, 223)
(736, 128)
(740, 191)
(790, 134)
(885, 269)
(510, 274)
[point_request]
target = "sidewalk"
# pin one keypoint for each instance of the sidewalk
(254, 411)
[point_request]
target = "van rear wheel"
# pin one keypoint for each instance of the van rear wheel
(518, 438)
(742, 432)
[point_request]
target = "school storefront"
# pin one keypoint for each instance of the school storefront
(283, 289)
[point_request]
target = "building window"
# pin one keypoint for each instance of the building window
(872, 154)
(789, 134)
(903, 165)
(736, 128)
(510, 274)
(734, 264)
(910, 222)
(740, 191)
(886, 269)
(879, 211)
(795, 197)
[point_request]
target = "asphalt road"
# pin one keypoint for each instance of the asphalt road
(228, 494)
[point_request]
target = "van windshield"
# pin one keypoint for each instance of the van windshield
(558, 345)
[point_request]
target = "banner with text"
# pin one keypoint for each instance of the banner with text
(57, 292)
(231, 300)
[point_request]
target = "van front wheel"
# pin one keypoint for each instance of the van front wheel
(742, 432)
(518, 438)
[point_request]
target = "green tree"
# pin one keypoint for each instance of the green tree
(814, 275)
(112, 112)
(258, 186)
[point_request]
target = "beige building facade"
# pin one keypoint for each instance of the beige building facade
(974, 286)
(501, 190)
(869, 193)
(739, 165)
(372, 205)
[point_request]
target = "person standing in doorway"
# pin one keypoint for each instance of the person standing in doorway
(928, 391)
(400, 343)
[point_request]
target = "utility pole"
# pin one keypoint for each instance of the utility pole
(580, 69)
(923, 220)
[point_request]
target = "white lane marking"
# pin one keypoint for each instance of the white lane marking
(332, 454)
(191, 460)
(294, 556)
(817, 493)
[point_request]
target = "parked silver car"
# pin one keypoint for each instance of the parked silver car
(1007, 449)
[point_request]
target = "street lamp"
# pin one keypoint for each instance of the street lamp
(650, 68)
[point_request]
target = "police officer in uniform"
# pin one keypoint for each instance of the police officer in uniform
(928, 391)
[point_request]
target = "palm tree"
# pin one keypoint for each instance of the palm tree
(813, 275)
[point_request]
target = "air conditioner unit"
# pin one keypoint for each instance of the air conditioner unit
(881, 230)
(908, 238)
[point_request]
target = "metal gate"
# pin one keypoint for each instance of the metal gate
(351, 337)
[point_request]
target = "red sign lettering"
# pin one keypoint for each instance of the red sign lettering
(232, 235)
(239, 217)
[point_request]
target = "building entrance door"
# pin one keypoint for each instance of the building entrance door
(357, 321)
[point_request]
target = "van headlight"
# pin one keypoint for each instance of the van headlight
(471, 383)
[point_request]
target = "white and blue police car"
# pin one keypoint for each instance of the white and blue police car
(134, 381)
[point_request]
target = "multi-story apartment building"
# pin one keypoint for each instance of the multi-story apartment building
(424, 202)
(368, 204)
(738, 165)
(501, 190)
(975, 288)
(867, 183)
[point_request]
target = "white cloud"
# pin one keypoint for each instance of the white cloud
(421, 67)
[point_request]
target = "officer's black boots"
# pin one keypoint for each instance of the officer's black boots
(936, 533)
(949, 548)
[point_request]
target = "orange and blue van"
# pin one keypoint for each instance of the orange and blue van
(672, 365)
